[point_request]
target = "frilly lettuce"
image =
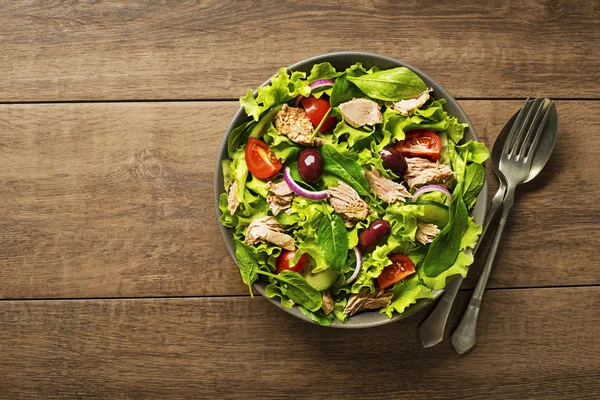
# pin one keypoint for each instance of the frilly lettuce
(285, 150)
(407, 292)
(353, 135)
(284, 87)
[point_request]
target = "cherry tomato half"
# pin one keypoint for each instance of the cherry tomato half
(421, 144)
(316, 110)
(401, 267)
(261, 161)
(286, 257)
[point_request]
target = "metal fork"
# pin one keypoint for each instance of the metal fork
(513, 169)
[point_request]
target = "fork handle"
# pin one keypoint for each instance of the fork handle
(464, 337)
(431, 331)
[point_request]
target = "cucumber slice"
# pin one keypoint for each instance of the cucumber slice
(321, 280)
(435, 213)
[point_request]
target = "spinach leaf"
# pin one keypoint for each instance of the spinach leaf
(390, 85)
(273, 291)
(345, 168)
(322, 71)
(474, 178)
(247, 264)
(295, 287)
(333, 241)
(343, 90)
(445, 247)
(238, 137)
(318, 316)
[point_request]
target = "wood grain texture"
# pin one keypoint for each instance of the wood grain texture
(540, 344)
(72, 50)
(115, 200)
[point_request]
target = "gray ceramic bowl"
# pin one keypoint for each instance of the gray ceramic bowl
(341, 61)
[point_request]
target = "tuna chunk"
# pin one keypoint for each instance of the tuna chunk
(327, 306)
(280, 197)
(232, 201)
(267, 229)
(360, 112)
(423, 172)
(348, 204)
(294, 123)
(426, 232)
(407, 106)
(386, 189)
(367, 301)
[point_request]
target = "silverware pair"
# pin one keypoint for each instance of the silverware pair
(519, 154)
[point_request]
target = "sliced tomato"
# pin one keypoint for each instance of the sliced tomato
(261, 161)
(401, 267)
(285, 259)
(421, 144)
(316, 110)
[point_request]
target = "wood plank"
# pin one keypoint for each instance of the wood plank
(115, 200)
(533, 344)
(71, 50)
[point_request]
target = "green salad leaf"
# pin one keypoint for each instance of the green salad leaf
(333, 241)
(247, 264)
(406, 292)
(345, 168)
(272, 291)
(390, 84)
(445, 247)
(283, 88)
(295, 287)
(322, 71)
(474, 180)
(238, 137)
(318, 316)
(353, 134)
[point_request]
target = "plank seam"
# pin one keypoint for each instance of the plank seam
(248, 296)
(224, 100)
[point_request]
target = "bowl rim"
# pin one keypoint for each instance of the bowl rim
(370, 318)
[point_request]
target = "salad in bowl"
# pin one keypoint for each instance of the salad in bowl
(348, 190)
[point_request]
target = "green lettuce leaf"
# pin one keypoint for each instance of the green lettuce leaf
(455, 130)
(322, 71)
(473, 151)
(353, 135)
(406, 292)
(282, 89)
(459, 267)
(238, 137)
(283, 148)
(338, 309)
(318, 316)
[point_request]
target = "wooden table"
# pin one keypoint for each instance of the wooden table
(115, 283)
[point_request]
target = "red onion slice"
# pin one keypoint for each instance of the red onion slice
(299, 190)
(432, 188)
(358, 266)
(321, 83)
